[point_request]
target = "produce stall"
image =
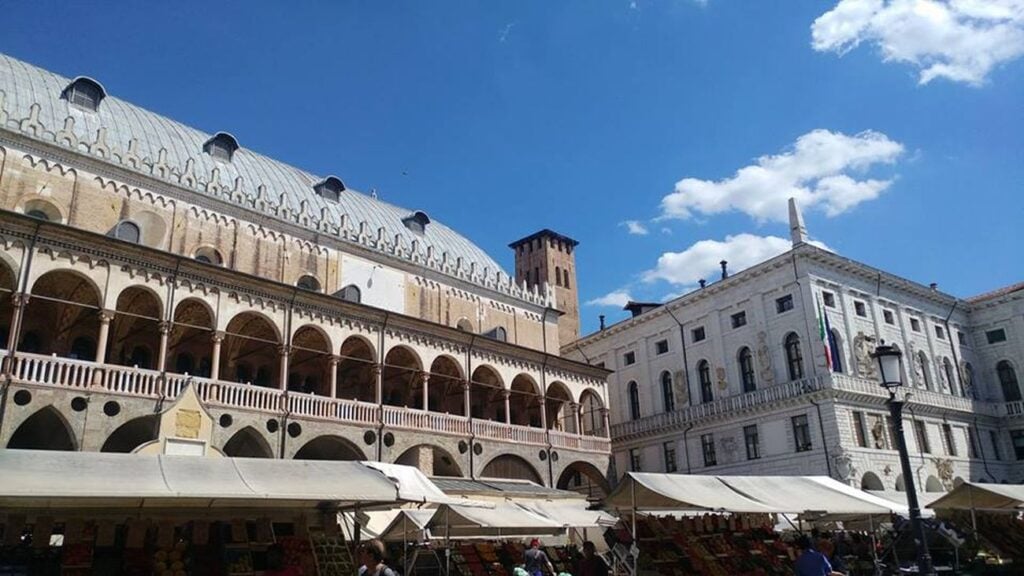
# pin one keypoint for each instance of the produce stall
(99, 513)
(994, 514)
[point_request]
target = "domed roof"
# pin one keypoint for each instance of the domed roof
(33, 101)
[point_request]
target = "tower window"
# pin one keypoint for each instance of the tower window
(330, 188)
(84, 93)
(308, 282)
(209, 255)
(128, 231)
(351, 293)
(417, 221)
(222, 146)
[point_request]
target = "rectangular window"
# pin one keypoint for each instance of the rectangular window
(921, 435)
(739, 319)
(784, 304)
(859, 432)
(961, 338)
(661, 346)
(753, 442)
(993, 438)
(948, 440)
(915, 324)
(972, 443)
(698, 334)
(629, 358)
(1017, 436)
(829, 299)
(707, 444)
(889, 317)
(860, 308)
(669, 449)
(635, 463)
(996, 336)
(801, 433)
(940, 333)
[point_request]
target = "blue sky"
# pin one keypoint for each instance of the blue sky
(899, 122)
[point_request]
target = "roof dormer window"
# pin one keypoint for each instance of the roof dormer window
(417, 221)
(221, 147)
(85, 93)
(330, 188)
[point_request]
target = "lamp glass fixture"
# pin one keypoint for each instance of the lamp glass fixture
(889, 359)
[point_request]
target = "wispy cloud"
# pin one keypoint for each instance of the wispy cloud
(503, 35)
(617, 298)
(635, 227)
(960, 40)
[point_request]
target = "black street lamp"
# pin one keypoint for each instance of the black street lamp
(889, 360)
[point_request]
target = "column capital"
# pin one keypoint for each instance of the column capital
(106, 316)
(284, 350)
(377, 369)
(424, 376)
(506, 393)
(165, 327)
(574, 406)
(218, 336)
(333, 360)
(19, 299)
(465, 385)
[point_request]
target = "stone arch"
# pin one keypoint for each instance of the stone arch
(248, 443)
(511, 467)
(189, 344)
(356, 379)
(41, 208)
(310, 362)
(8, 286)
(582, 476)
(401, 378)
(901, 485)
(135, 329)
(132, 434)
(250, 353)
(330, 447)
(558, 405)
(445, 386)
(592, 413)
(525, 401)
(62, 316)
(465, 325)
(487, 394)
(441, 462)
(871, 481)
(47, 429)
(933, 484)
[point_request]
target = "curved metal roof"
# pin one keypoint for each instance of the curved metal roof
(143, 141)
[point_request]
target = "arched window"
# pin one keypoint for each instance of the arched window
(351, 293)
(565, 277)
(947, 369)
(835, 350)
(501, 334)
(85, 93)
(464, 324)
(209, 255)
(634, 401)
(308, 282)
(222, 146)
(746, 361)
(1008, 381)
(969, 385)
(667, 395)
(558, 276)
(38, 215)
(794, 357)
(704, 375)
(128, 231)
(922, 367)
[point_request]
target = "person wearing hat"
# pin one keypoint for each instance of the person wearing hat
(535, 560)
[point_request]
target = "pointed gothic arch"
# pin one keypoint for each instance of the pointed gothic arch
(248, 443)
(46, 429)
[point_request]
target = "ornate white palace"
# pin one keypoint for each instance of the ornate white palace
(148, 268)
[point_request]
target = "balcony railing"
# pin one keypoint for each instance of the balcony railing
(137, 382)
(1014, 409)
(919, 396)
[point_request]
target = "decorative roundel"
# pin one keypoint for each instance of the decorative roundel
(554, 456)
(463, 447)
(111, 408)
(22, 397)
(369, 437)
(478, 449)
(543, 455)
(272, 426)
(389, 439)
(78, 403)
(226, 420)
(294, 429)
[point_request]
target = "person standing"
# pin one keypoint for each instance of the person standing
(535, 560)
(591, 564)
(811, 562)
(374, 560)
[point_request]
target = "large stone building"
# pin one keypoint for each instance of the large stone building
(146, 264)
(733, 378)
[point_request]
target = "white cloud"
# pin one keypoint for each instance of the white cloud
(814, 171)
(960, 40)
(635, 227)
(701, 260)
(617, 298)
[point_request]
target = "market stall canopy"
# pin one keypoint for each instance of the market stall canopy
(46, 479)
(504, 519)
(924, 499)
(976, 496)
(569, 513)
(408, 525)
(413, 485)
(679, 492)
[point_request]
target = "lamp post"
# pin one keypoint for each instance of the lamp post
(889, 360)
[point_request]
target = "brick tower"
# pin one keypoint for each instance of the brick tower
(547, 256)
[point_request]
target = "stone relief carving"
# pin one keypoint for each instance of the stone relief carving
(944, 468)
(878, 433)
(967, 378)
(720, 376)
(764, 359)
(729, 448)
(846, 470)
(916, 363)
(862, 348)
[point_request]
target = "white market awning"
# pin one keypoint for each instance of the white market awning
(47, 479)
(569, 513)
(504, 519)
(810, 495)
(977, 496)
(651, 491)
(413, 485)
(408, 525)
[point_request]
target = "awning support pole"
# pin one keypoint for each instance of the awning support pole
(874, 543)
(447, 539)
(405, 544)
(632, 495)
(974, 516)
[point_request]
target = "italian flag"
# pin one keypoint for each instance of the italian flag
(824, 330)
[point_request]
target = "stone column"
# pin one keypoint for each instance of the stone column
(577, 419)
(217, 338)
(543, 413)
(332, 366)
(101, 343)
(378, 379)
(605, 423)
(161, 359)
(424, 378)
(18, 301)
(466, 401)
(508, 406)
(283, 353)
